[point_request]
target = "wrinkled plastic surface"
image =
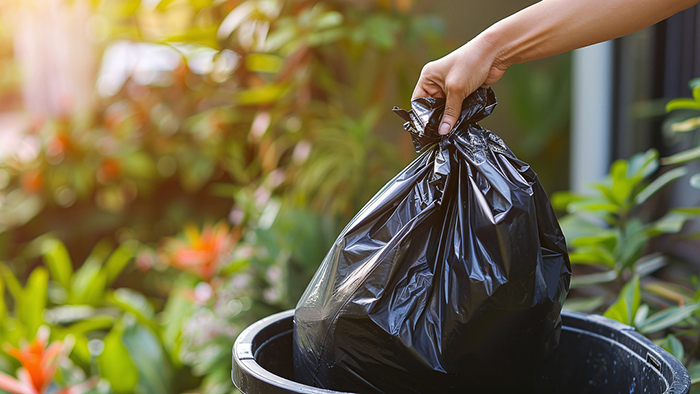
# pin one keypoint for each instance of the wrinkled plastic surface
(450, 280)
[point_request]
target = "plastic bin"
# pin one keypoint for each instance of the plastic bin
(598, 355)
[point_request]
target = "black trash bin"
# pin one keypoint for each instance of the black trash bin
(598, 355)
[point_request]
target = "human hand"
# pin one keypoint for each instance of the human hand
(456, 76)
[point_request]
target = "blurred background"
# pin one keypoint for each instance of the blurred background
(174, 170)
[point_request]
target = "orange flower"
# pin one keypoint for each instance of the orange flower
(39, 361)
(109, 170)
(202, 253)
(32, 181)
(59, 146)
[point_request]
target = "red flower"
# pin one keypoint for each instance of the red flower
(39, 361)
(202, 254)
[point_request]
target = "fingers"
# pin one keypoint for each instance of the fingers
(453, 107)
(419, 91)
(454, 77)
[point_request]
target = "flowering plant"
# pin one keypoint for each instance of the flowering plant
(40, 360)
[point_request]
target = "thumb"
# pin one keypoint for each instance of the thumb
(453, 107)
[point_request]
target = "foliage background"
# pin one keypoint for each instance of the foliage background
(173, 170)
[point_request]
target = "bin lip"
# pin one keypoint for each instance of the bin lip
(244, 358)
(678, 383)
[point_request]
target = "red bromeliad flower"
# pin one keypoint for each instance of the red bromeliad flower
(202, 253)
(39, 361)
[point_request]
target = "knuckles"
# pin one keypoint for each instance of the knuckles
(451, 112)
(455, 85)
(427, 69)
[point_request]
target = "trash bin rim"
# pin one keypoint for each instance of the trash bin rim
(596, 324)
(244, 358)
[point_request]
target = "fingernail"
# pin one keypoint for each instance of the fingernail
(444, 128)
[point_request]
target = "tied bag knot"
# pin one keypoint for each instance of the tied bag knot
(423, 119)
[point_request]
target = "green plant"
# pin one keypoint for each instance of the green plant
(685, 119)
(609, 228)
(113, 330)
(608, 231)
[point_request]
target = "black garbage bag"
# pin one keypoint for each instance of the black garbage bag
(450, 280)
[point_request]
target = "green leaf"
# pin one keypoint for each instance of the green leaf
(673, 346)
(118, 260)
(81, 350)
(3, 306)
(641, 165)
(693, 84)
(695, 211)
(202, 35)
(578, 226)
(89, 283)
(670, 291)
(667, 318)
(325, 37)
(176, 312)
(31, 309)
(592, 255)
(135, 303)
(605, 190)
(682, 157)
(163, 4)
(63, 315)
(682, 103)
(235, 18)
(328, 19)
(695, 181)
(594, 279)
(588, 205)
(625, 308)
(602, 237)
(694, 371)
(631, 242)
(641, 316)
(116, 366)
(261, 95)
(95, 323)
(235, 267)
(99, 253)
(561, 200)
(58, 262)
(155, 372)
(660, 182)
(263, 62)
(12, 283)
(649, 264)
(682, 124)
(670, 223)
(587, 305)
(622, 186)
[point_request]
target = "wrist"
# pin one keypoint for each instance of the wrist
(493, 42)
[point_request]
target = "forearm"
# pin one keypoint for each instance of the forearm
(551, 27)
(544, 29)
